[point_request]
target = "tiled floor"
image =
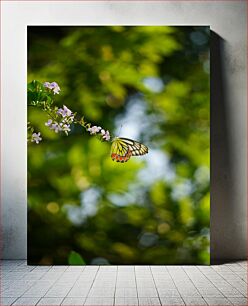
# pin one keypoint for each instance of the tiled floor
(123, 285)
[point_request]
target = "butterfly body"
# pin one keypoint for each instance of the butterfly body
(123, 148)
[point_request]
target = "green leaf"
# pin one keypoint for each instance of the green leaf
(35, 86)
(37, 94)
(75, 259)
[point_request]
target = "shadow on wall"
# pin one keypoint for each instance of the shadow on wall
(225, 231)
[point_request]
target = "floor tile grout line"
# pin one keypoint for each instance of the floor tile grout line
(87, 295)
(32, 286)
(203, 272)
(174, 283)
(230, 283)
(136, 286)
(24, 263)
(38, 301)
(14, 301)
(204, 298)
(155, 285)
(237, 273)
(244, 265)
(235, 264)
(26, 290)
(209, 280)
(47, 289)
(193, 284)
(212, 267)
(231, 271)
(73, 284)
(236, 304)
(216, 271)
(117, 270)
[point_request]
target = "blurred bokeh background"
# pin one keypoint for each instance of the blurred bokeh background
(148, 83)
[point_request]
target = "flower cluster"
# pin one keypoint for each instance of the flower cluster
(36, 137)
(52, 86)
(94, 129)
(65, 112)
(63, 125)
(98, 130)
(60, 119)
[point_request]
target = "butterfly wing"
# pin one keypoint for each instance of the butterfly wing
(138, 149)
(123, 148)
(120, 151)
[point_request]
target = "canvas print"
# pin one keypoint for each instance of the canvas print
(118, 138)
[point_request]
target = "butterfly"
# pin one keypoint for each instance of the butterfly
(123, 148)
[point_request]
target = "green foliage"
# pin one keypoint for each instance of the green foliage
(75, 259)
(152, 82)
(37, 94)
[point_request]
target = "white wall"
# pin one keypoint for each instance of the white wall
(229, 99)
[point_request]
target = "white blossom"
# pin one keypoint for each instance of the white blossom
(36, 138)
(94, 129)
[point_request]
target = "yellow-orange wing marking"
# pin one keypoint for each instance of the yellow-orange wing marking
(123, 148)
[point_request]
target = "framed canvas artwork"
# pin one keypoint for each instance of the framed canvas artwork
(118, 145)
